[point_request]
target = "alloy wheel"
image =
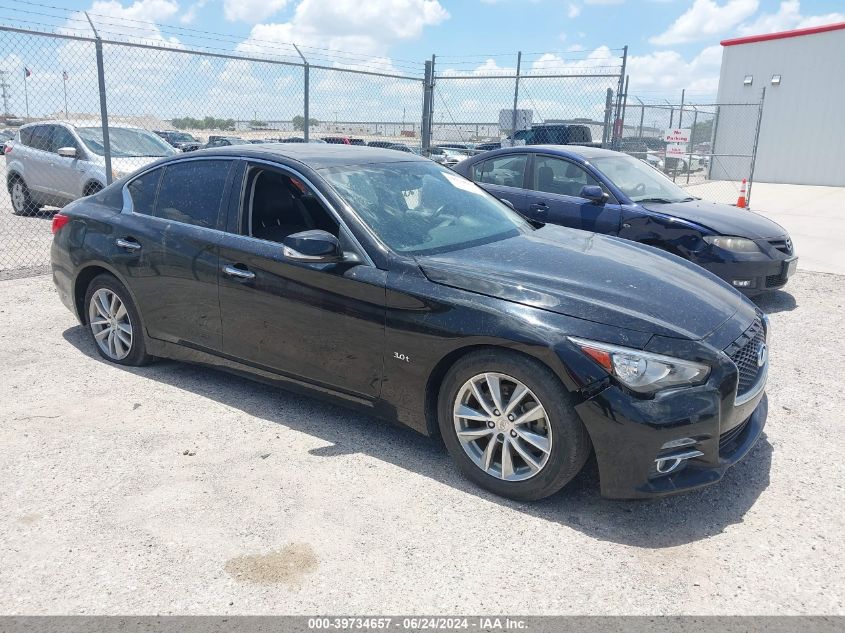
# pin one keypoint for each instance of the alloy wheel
(502, 426)
(110, 324)
(19, 197)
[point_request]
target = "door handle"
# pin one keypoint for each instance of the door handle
(128, 244)
(541, 207)
(240, 273)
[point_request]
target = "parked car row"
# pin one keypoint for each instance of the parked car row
(384, 281)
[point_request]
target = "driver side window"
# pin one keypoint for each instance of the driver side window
(277, 204)
(562, 177)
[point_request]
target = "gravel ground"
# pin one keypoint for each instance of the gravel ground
(177, 489)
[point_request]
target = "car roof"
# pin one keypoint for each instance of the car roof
(82, 123)
(583, 152)
(315, 155)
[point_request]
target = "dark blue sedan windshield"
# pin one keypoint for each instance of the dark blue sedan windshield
(637, 180)
(420, 207)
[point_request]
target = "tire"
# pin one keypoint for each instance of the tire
(93, 188)
(559, 430)
(116, 333)
(22, 203)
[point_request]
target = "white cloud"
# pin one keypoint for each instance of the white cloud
(573, 10)
(367, 28)
(669, 72)
(191, 14)
(252, 11)
(110, 19)
(705, 19)
(786, 18)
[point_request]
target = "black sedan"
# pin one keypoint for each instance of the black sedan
(616, 194)
(384, 281)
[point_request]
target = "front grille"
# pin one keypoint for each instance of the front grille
(775, 281)
(726, 440)
(744, 352)
(784, 245)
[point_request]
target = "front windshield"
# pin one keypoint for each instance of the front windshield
(638, 181)
(125, 142)
(182, 137)
(422, 208)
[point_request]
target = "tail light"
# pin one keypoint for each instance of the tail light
(59, 221)
(7, 148)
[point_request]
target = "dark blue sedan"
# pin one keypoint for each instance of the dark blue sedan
(613, 193)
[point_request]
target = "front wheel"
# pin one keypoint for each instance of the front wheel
(114, 322)
(510, 426)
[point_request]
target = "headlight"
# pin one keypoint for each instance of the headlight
(642, 371)
(735, 244)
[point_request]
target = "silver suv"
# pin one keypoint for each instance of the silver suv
(53, 163)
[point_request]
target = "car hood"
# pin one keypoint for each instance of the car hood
(721, 218)
(594, 277)
(128, 164)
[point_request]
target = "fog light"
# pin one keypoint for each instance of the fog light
(670, 463)
(741, 283)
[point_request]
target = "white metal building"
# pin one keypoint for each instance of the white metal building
(802, 127)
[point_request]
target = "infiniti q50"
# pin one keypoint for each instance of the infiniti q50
(386, 282)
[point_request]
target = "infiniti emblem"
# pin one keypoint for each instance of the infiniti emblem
(762, 355)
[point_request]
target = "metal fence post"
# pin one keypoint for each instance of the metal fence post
(515, 96)
(104, 110)
(425, 129)
(691, 138)
(754, 149)
(305, 88)
(608, 114)
(619, 91)
(624, 109)
(642, 114)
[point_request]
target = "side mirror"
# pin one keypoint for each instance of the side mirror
(507, 202)
(313, 247)
(67, 152)
(594, 193)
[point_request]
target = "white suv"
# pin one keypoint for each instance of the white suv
(53, 163)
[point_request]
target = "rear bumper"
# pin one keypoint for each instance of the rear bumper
(629, 434)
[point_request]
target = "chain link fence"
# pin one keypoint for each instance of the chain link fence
(185, 98)
(499, 101)
(713, 153)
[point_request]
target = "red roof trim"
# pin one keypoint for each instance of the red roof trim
(783, 34)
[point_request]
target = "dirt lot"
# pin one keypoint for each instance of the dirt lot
(177, 489)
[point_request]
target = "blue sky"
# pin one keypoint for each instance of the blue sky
(673, 44)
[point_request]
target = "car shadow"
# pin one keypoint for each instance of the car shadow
(775, 301)
(658, 523)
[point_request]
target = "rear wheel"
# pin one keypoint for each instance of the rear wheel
(114, 322)
(93, 188)
(509, 425)
(22, 203)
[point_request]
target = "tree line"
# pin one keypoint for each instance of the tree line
(213, 123)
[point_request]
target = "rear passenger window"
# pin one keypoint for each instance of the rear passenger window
(143, 191)
(504, 170)
(41, 138)
(192, 191)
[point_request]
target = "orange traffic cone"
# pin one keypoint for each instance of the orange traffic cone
(741, 200)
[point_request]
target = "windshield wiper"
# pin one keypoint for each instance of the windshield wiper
(658, 200)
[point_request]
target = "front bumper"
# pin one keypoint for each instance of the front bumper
(750, 273)
(629, 434)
